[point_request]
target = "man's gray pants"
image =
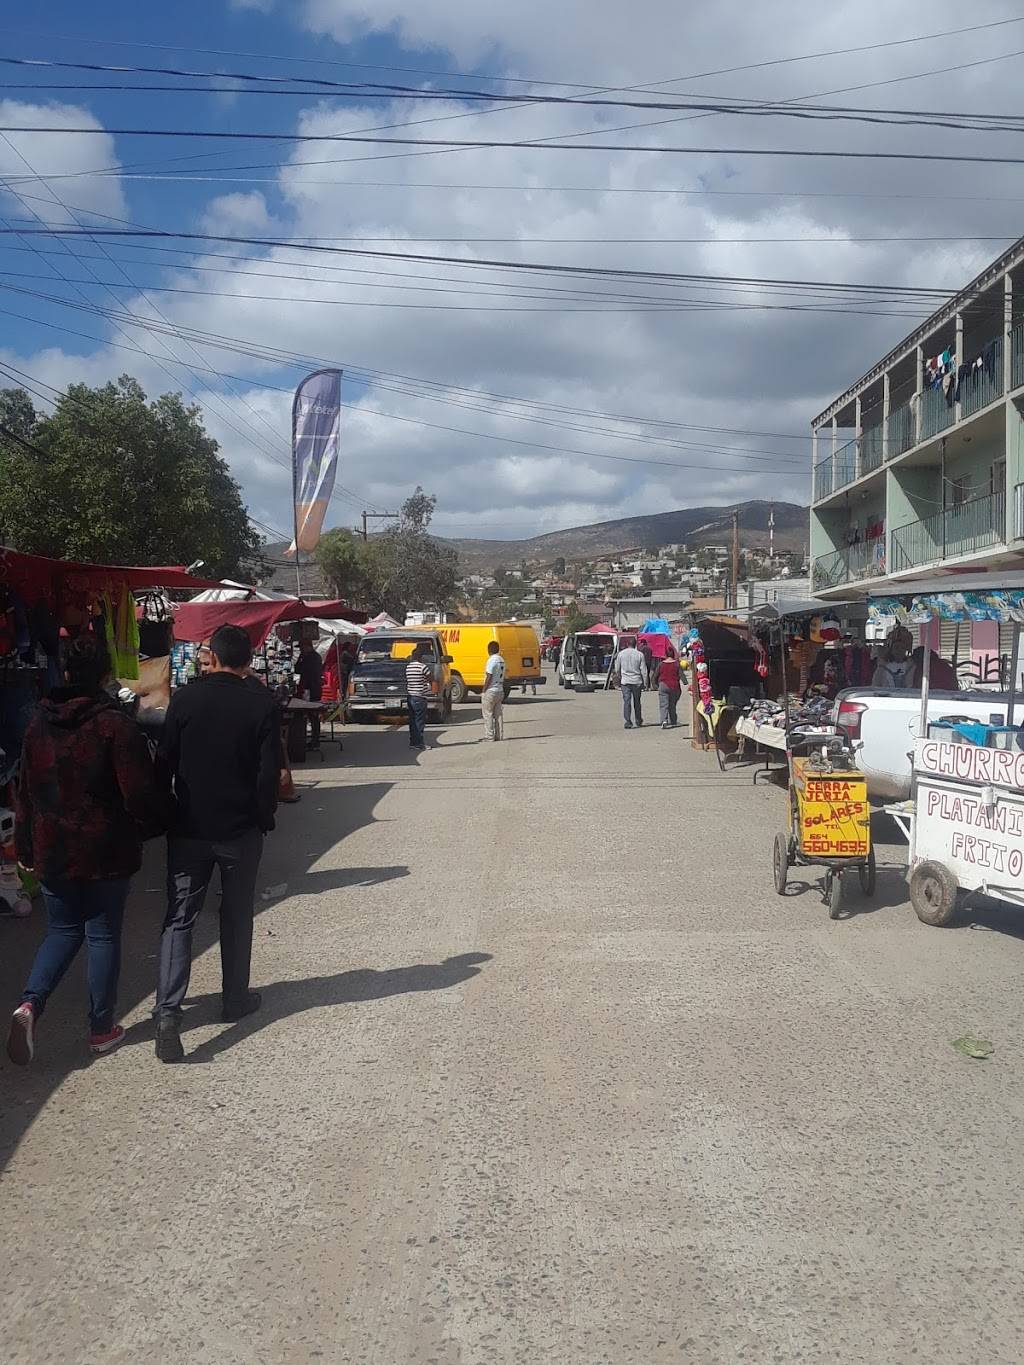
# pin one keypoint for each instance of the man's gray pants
(190, 865)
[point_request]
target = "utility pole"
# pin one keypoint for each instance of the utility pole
(735, 558)
(382, 516)
(771, 531)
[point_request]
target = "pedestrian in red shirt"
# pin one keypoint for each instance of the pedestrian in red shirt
(669, 689)
(87, 795)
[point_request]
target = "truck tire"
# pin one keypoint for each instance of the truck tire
(507, 691)
(933, 891)
(458, 689)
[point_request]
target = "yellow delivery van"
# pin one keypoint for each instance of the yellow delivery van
(467, 648)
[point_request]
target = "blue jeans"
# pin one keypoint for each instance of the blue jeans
(631, 693)
(417, 719)
(77, 912)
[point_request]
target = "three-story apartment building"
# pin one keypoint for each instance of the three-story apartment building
(918, 468)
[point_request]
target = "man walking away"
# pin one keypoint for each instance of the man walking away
(669, 689)
(631, 671)
(310, 672)
(493, 696)
(87, 794)
(648, 653)
(220, 745)
(419, 680)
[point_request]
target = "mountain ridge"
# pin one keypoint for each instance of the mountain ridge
(695, 525)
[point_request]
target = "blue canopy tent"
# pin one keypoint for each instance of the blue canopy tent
(656, 625)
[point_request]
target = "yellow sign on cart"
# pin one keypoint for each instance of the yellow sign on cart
(832, 811)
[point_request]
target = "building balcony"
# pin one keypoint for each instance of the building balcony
(982, 384)
(852, 564)
(949, 535)
(902, 429)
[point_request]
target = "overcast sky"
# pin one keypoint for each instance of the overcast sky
(485, 332)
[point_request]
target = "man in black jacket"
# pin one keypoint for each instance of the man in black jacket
(220, 745)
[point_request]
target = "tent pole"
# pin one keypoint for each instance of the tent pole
(1014, 665)
(926, 670)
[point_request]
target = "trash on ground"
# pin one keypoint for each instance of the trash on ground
(979, 1048)
(272, 893)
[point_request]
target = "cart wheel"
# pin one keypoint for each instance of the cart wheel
(780, 863)
(933, 891)
(866, 873)
(835, 894)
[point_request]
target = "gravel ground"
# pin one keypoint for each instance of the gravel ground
(546, 1072)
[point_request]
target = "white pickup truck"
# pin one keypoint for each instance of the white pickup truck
(887, 724)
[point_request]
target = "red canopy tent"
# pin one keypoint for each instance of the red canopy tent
(35, 577)
(198, 620)
(598, 628)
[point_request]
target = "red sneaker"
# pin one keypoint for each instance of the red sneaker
(106, 1042)
(21, 1041)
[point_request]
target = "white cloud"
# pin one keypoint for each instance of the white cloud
(755, 370)
(25, 155)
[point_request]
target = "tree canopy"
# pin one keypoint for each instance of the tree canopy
(402, 569)
(110, 478)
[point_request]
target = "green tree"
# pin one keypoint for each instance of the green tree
(575, 619)
(558, 568)
(403, 569)
(344, 559)
(664, 577)
(548, 621)
(646, 578)
(120, 480)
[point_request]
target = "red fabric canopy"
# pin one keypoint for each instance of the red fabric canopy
(599, 628)
(34, 576)
(198, 620)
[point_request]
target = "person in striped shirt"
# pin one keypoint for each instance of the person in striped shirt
(419, 680)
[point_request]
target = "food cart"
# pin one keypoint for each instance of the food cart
(829, 822)
(964, 822)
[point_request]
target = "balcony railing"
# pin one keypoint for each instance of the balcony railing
(1018, 500)
(1017, 356)
(849, 565)
(936, 414)
(951, 534)
(870, 449)
(983, 384)
(835, 471)
(902, 432)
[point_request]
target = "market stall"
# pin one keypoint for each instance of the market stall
(964, 822)
(806, 653)
(275, 626)
(45, 602)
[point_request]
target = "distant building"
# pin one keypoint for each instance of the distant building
(671, 603)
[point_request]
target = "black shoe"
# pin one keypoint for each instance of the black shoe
(168, 1040)
(248, 1005)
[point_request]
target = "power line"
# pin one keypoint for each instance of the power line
(320, 246)
(518, 144)
(477, 435)
(49, 36)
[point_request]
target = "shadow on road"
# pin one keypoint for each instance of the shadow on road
(281, 999)
(305, 833)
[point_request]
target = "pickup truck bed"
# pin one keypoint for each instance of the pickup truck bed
(887, 723)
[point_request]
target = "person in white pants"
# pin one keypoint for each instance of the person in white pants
(493, 695)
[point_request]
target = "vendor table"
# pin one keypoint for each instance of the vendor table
(296, 710)
(773, 737)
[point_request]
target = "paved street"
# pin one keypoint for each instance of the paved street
(546, 1073)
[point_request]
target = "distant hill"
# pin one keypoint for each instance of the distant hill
(694, 525)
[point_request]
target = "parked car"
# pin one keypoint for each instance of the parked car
(376, 684)
(888, 722)
(466, 645)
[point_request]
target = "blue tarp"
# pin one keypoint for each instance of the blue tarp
(656, 625)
